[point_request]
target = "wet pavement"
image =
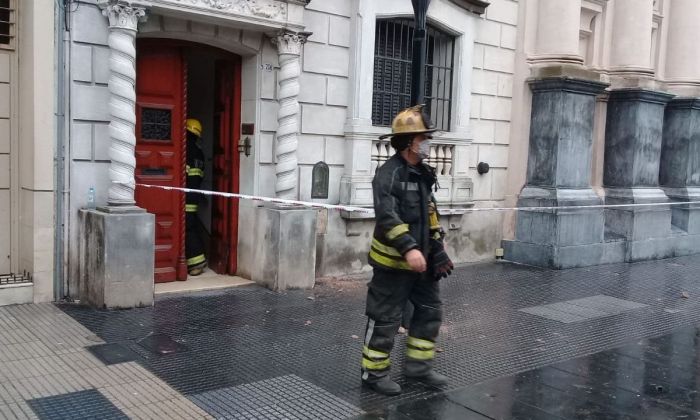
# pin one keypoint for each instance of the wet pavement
(617, 342)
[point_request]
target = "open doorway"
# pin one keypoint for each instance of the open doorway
(177, 81)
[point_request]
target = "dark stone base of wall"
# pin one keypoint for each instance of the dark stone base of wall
(612, 251)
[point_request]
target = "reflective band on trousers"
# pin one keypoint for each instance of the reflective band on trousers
(191, 208)
(419, 343)
(374, 354)
(419, 349)
(194, 172)
(196, 260)
(374, 359)
(397, 231)
(420, 354)
(372, 365)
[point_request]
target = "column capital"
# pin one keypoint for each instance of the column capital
(123, 14)
(289, 42)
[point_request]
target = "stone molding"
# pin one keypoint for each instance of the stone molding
(123, 14)
(270, 9)
(684, 103)
(290, 42)
(639, 95)
(585, 87)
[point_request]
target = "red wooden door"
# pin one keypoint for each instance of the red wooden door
(160, 153)
(227, 117)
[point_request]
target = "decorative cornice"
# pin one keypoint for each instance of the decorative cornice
(639, 95)
(123, 14)
(567, 84)
(270, 9)
(290, 42)
(474, 6)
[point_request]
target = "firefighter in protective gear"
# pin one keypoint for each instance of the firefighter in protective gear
(408, 258)
(194, 247)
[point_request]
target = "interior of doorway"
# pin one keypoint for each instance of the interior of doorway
(205, 102)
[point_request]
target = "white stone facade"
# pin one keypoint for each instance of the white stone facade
(27, 134)
(333, 119)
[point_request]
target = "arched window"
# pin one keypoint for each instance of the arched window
(393, 54)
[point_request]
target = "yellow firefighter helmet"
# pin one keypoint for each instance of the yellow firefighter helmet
(410, 121)
(194, 127)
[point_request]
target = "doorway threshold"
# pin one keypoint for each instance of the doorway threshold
(208, 280)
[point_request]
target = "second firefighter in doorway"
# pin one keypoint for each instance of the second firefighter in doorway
(408, 259)
(194, 247)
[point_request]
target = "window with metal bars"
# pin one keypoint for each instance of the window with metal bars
(393, 54)
(7, 23)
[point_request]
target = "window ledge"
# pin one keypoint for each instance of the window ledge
(474, 6)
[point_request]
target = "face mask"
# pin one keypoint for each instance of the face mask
(423, 150)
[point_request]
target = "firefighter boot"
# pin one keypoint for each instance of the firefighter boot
(430, 378)
(384, 386)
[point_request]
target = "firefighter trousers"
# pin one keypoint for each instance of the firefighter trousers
(389, 291)
(194, 247)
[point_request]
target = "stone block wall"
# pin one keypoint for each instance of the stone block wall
(492, 92)
(323, 100)
(88, 137)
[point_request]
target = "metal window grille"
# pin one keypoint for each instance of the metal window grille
(7, 24)
(9, 279)
(393, 54)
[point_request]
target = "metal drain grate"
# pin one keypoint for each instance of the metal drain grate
(89, 404)
(285, 397)
(7, 279)
(599, 306)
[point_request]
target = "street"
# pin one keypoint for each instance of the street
(615, 341)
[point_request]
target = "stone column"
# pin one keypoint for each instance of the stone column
(558, 174)
(117, 249)
(680, 152)
(289, 46)
(631, 174)
(631, 44)
(123, 20)
(558, 25)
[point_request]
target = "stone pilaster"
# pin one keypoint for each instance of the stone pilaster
(631, 174)
(289, 45)
(559, 174)
(680, 161)
(123, 20)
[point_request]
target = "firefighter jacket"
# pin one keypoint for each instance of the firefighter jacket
(405, 211)
(195, 175)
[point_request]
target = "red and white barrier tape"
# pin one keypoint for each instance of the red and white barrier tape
(263, 199)
(354, 209)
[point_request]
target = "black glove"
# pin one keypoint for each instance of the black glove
(440, 264)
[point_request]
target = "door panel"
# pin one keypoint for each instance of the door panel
(160, 154)
(227, 117)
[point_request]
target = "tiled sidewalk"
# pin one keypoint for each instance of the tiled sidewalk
(46, 371)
